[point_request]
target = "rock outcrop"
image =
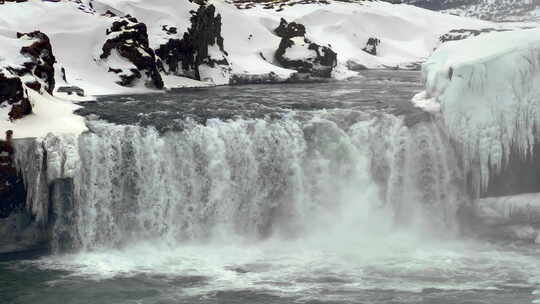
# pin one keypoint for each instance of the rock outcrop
(297, 52)
(14, 95)
(36, 73)
(128, 38)
(42, 60)
(371, 46)
(200, 53)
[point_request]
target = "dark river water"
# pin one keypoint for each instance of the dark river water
(387, 91)
(232, 158)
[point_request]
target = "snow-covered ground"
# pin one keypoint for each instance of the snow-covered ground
(486, 89)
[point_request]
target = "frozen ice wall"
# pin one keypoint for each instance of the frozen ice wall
(488, 92)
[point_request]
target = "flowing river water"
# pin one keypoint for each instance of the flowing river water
(335, 192)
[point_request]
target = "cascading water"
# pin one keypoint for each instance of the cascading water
(279, 202)
(249, 178)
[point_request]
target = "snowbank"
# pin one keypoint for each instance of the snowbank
(488, 95)
(50, 115)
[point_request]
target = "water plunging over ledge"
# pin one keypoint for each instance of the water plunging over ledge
(241, 195)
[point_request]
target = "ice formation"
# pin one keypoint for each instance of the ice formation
(489, 98)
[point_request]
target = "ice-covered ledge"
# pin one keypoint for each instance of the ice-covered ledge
(509, 210)
(486, 89)
(511, 217)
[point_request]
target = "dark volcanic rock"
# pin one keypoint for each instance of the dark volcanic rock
(185, 56)
(371, 46)
(40, 65)
(317, 60)
(14, 94)
(129, 38)
(41, 56)
(4, 1)
(290, 30)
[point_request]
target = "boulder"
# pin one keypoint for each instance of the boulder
(129, 39)
(297, 52)
(371, 46)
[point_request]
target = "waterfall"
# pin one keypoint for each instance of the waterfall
(257, 178)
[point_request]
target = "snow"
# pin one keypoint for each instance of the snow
(176, 82)
(10, 53)
(486, 89)
(299, 50)
(50, 115)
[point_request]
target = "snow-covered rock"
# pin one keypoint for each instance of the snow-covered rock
(297, 52)
(33, 69)
(200, 52)
(488, 95)
(128, 54)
